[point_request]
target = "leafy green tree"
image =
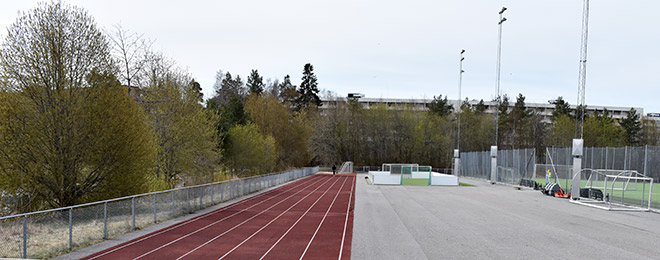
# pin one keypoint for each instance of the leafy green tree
(432, 145)
(291, 131)
(632, 127)
(476, 130)
(251, 152)
(308, 91)
(650, 132)
(68, 132)
(601, 130)
(184, 129)
(255, 83)
(563, 131)
(440, 106)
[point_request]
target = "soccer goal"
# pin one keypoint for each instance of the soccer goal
(346, 167)
(415, 175)
(622, 190)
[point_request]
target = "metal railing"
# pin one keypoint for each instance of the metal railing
(55, 231)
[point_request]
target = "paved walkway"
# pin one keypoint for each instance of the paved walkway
(492, 222)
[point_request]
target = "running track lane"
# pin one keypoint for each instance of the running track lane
(310, 218)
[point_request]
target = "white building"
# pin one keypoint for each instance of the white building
(543, 109)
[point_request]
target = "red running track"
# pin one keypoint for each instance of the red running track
(307, 219)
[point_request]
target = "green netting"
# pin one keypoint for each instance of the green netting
(415, 175)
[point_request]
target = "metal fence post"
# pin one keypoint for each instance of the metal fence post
(70, 228)
(646, 157)
(105, 220)
(173, 212)
(133, 211)
(187, 200)
(154, 196)
(24, 236)
(222, 191)
(212, 194)
(201, 195)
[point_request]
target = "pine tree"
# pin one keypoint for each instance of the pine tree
(288, 92)
(255, 83)
(561, 108)
(440, 106)
(480, 108)
(308, 92)
(632, 127)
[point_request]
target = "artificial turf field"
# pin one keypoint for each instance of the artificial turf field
(410, 181)
(633, 194)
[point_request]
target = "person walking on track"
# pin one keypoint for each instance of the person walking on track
(334, 169)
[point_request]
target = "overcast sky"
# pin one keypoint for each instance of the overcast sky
(405, 49)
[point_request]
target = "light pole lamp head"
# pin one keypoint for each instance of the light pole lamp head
(503, 20)
(462, 58)
(503, 9)
(462, 51)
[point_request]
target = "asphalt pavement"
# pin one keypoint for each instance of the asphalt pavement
(492, 222)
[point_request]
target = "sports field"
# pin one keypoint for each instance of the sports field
(310, 218)
(634, 192)
(410, 181)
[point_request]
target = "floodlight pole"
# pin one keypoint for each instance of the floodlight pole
(457, 160)
(460, 83)
(499, 58)
(582, 78)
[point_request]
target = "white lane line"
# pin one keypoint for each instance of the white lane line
(341, 249)
(180, 224)
(320, 224)
(216, 222)
(247, 220)
(287, 210)
(290, 228)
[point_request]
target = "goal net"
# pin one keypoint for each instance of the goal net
(617, 190)
(415, 175)
(346, 167)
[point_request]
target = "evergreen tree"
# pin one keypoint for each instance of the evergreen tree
(255, 83)
(288, 92)
(308, 92)
(226, 89)
(520, 119)
(504, 126)
(632, 127)
(197, 90)
(440, 106)
(480, 108)
(561, 108)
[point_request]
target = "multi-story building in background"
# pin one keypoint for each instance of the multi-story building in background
(542, 109)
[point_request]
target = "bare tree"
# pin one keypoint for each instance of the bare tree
(130, 51)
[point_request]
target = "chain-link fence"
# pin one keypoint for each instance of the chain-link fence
(51, 232)
(643, 159)
(512, 165)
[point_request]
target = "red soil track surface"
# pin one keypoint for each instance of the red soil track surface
(310, 218)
